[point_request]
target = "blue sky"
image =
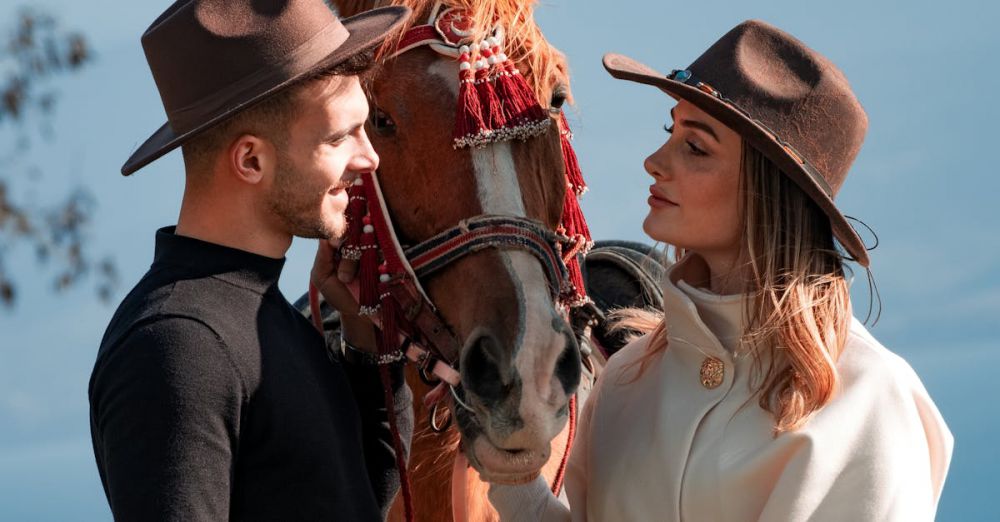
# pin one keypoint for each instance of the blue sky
(926, 73)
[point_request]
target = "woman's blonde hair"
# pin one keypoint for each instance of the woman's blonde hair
(799, 309)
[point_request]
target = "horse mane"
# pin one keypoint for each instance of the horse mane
(540, 63)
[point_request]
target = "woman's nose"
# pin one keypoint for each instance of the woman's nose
(656, 163)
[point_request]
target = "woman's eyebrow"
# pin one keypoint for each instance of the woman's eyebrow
(696, 124)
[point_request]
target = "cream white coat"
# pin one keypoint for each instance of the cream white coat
(665, 447)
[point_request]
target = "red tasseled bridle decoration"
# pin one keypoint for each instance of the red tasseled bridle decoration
(469, 125)
(375, 299)
(574, 225)
(503, 107)
(388, 346)
(519, 101)
(489, 104)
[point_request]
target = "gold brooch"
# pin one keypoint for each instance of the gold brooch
(712, 372)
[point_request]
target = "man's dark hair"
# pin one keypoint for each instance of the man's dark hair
(268, 118)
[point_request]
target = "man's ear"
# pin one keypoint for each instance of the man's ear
(251, 158)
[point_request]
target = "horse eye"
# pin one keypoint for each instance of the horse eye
(559, 95)
(382, 122)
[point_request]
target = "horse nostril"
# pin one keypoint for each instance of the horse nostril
(481, 370)
(568, 367)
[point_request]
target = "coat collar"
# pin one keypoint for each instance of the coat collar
(687, 329)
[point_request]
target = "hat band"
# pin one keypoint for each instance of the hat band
(296, 62)
(686, 77)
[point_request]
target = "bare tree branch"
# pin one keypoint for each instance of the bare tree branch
(34, 55)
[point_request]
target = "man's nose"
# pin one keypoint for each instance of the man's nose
(367, 157)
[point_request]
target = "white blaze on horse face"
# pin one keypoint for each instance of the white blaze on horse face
(447, 70)
(496, 180)
(539, 344)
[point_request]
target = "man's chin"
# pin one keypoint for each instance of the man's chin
(331, 229)
(326, 231)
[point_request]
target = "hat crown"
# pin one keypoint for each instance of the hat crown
(198, 48)
(796, 92)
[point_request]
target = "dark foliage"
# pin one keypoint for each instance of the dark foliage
(35, 54)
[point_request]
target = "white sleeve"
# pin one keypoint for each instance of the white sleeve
(531, 502)
(879, 451)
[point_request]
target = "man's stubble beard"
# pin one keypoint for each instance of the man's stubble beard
(300, 211)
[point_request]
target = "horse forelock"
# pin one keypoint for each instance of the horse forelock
(541, 64)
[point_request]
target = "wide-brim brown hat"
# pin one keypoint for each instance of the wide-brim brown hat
(786, 100)
(213, 58)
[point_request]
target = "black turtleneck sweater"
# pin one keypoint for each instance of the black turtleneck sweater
(212, 398)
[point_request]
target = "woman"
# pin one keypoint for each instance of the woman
(756, 396)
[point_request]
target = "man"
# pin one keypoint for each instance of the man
(211, 397)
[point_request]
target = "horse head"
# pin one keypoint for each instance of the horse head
(519, 361)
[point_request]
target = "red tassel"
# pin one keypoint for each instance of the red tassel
(573, 174)
(388, 319)
(383, 227)
(368, 271)
(489, 103)
(357, 207)
(388, 347)
(469, 125)
(525, 117)
(574, 224)
(577, 295)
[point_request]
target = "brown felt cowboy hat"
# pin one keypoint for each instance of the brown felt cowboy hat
(213, 58)
(786, 100)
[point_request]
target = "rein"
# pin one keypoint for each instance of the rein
(495, 104)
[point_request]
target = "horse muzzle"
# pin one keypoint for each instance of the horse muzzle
(504, 466)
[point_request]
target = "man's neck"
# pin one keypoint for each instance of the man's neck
(230, 222)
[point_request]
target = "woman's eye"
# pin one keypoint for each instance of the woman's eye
(695, 150)
(669, 128)
(382, 122)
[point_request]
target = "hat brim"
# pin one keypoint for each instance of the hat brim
(625, 68)
(367, 30)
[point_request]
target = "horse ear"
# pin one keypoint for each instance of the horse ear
(347, 8)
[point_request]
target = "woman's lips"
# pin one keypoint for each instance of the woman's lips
(658, 200)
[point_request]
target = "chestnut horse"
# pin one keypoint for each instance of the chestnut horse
(519, 360)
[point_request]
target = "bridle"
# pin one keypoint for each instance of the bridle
(433, 346)
(390, 275)
(372, 238)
